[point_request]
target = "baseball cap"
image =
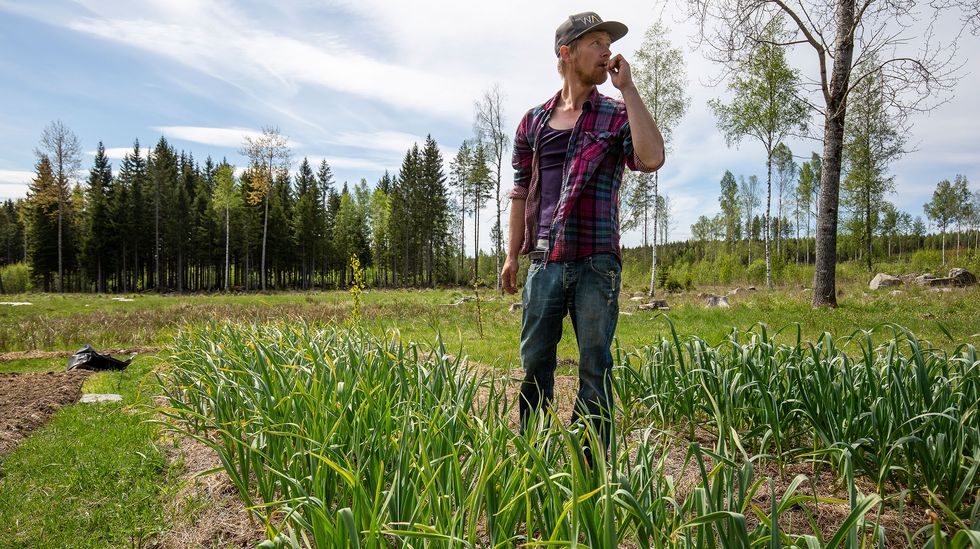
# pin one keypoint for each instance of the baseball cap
(581, 23)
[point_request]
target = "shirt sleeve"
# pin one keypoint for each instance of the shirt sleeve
(522, 160)
(633, 162)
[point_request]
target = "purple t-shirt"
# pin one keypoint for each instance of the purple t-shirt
(551, 162)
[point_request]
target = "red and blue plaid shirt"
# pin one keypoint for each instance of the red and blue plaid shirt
(586, 220)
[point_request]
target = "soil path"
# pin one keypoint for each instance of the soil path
(22, 355)
(28, 400)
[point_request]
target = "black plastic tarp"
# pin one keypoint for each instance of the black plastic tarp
(88, 358)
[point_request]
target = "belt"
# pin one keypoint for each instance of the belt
(536, 255)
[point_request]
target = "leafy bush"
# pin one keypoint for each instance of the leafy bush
(16, 278)
(927, 261)
(757, 271)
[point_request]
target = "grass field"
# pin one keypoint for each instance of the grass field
(62, 457)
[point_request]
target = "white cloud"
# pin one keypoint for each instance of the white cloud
(388, 141)
(269, 63)
(13, 183)
(353, 163)
(219, 137)
(118, 153)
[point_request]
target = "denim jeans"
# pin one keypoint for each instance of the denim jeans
(587, 289)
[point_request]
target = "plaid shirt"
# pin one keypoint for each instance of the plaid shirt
(586, 220)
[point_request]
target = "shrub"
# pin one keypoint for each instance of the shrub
(757, 271)
(927, 261)
(16, 278)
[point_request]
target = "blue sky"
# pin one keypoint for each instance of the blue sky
(358, 81)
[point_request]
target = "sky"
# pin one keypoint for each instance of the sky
(357, 82)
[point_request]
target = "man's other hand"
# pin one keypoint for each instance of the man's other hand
(508, 276)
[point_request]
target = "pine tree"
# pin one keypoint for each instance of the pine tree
(324, 178)
(434, 209)
(42, 223)
(306, 221)
(459, 179)
(100, 236)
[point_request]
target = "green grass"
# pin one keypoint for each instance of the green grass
(40, 467)
(29, 365)
(67, 322)
(90, 478)
(94, 476)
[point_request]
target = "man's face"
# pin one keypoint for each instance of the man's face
(589, 61)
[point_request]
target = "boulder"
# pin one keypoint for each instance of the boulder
(924, 278)
(962, 277)
(655, 305)
(957, 277)
(718, 301)
(881, 280)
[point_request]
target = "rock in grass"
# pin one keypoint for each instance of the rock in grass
(96, 397)
(923, 279)
(718, 301)
(882, 280)
(515, 307)
(655, 305)
(962, 277)
(957, 277)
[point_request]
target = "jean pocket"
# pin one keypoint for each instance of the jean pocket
(606, 265)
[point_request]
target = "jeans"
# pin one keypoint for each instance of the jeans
(588, 290)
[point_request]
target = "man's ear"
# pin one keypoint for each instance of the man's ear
(563, 52)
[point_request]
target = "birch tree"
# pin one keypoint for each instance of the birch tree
(874, 137)
(64, 153)
(660, 74)
(268, 156)
(916, 69)
(226, 198)
(492, 134)
(766, 106)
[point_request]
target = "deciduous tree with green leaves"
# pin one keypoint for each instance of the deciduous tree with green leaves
(660, 75)
(874, 136)
(268, 156)
(766, 106)
(227, 198)
(942, 209)
(917, 69)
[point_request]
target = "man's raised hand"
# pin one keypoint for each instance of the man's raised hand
(619, 72)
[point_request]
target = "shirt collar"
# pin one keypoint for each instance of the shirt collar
(591, 101)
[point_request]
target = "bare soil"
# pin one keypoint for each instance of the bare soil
(28, 400)
(34, 355)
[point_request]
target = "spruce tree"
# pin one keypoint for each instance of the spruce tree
(42, 223)
(100, 236)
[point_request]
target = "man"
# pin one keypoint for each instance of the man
(569, 155)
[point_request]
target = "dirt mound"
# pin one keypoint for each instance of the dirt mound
(28, 400)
